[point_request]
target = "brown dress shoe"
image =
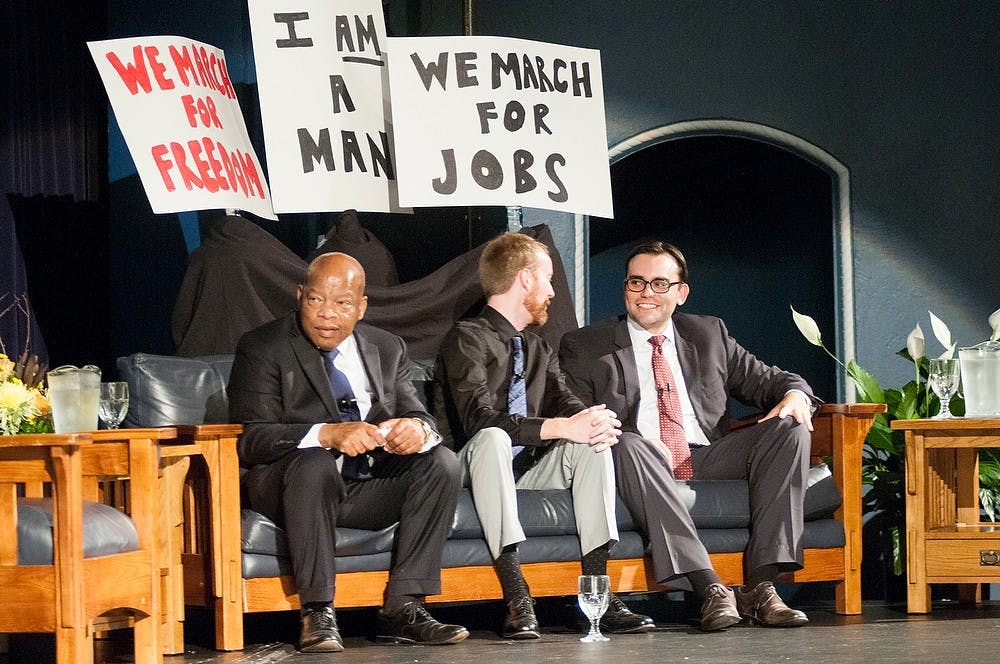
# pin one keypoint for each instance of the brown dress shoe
(718, 610)
(764, 607)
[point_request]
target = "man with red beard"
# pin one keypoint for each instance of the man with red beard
(515, 425)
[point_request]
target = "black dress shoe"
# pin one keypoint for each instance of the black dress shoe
(319, 631)
(618, 619)
(520, 622)
(413, 625)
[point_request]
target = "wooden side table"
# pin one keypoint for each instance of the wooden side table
(945, 541)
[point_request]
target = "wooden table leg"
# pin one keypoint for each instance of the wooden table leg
(918, 592)
(173, 471)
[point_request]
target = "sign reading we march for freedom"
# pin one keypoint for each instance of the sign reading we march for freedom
(499, 121)
(178, 112)
(321, 72)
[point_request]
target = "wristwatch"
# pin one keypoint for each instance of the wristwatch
(428, 431)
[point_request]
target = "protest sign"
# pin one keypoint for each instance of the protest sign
(321, 77)
(178, 112)
(499, 121)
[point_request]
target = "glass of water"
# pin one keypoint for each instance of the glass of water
(593, 594)
(943, 376)
(113, 403)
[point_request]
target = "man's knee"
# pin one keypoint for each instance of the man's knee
(441, 463)
(790, 435)
(491, 442)
(312, 467)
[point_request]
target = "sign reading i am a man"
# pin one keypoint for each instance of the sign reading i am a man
(178, 112)
(321, 74)
(499, 121)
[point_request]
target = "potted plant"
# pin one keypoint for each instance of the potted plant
(885, 451)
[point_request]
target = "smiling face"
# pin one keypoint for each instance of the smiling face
(653, 310)
(332, 300)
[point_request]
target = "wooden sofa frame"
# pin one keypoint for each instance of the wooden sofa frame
(213, 567)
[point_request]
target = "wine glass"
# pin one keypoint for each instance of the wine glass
(593, 594)
(943, 377)
(113, 403)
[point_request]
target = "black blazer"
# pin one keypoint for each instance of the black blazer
(279, 387)
(600, 367)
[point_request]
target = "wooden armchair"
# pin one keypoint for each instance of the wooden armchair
(74, 595)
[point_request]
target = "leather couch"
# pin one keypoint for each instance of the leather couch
(191, 391)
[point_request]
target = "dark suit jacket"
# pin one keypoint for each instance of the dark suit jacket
(600, 367)
(279, 388)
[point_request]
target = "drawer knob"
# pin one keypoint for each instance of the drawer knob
(990, 557)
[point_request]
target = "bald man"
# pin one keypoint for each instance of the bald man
(335, 436)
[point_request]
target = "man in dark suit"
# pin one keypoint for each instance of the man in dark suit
(335, 436)
(669, 376)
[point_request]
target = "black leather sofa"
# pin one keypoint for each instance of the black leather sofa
(177, 391)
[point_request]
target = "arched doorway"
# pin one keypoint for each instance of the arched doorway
(763, 219)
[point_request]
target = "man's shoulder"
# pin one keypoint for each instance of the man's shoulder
(696, 323)
(595, 333)
(376, 335)
(268, 332)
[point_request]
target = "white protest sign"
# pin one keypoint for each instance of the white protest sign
(321, 78)
(178, 112)
(499, 121)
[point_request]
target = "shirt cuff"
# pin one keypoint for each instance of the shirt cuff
(433, 437)
(311, 439)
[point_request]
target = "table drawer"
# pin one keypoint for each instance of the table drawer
(978, 558)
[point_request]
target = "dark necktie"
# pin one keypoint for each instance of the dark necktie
(517, 401)
(669, 406)
(356, 467)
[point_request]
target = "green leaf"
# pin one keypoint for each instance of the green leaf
(869, 391)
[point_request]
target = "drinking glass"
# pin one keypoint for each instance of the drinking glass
(943, 377)
(113, 403)
(593, 594)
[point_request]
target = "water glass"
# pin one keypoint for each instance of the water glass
(113, 403)
(593, 594)
(943, 376)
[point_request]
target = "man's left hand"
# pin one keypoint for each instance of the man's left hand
(795, 404)
(403, 435)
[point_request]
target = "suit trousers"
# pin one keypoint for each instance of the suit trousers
(648, 489)
(486, 467)
(304, 493)
(773, 456)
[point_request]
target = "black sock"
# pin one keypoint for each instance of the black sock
(596, 561)
(508, 569)
(313, 606)
(393, 603)
(761, 574)
(701, 579)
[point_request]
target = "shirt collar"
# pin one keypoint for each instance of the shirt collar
(637, 331)
(500, 323)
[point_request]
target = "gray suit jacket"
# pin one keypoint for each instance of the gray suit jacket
(600, 367)
(279, 387)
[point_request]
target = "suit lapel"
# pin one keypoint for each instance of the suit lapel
(312, 367)
(371, 359)
(630, 374)
(687, 356)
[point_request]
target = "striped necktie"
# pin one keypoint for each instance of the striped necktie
(357, 467)
(517, 401)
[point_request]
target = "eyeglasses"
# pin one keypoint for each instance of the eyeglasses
(661, 286)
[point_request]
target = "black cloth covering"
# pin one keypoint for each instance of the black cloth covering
(348, 236)
(242, 277)
(19, 331)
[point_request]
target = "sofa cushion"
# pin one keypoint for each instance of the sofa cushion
(165, 390)
(106, 531)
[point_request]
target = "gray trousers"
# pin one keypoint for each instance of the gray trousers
(774, 459)
(486, 467)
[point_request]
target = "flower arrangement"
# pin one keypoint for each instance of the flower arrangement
(23, 409)
(885, 452)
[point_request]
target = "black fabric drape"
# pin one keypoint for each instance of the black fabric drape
(19, 329)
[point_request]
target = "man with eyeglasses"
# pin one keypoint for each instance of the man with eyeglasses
(669, 377)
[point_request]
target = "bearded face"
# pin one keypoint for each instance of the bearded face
(537, 304)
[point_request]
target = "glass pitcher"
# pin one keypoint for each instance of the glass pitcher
(981, 379)
(74, 393)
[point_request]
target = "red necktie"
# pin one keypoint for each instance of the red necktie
(669, 405)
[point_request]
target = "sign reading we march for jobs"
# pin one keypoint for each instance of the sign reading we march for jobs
(321, 76)
(178, 112)
(499, 121)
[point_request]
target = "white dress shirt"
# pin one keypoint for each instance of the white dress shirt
(648, 417)
(348, 360)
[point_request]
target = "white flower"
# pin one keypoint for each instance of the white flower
(943, 335)
(915, 343)
(807, 326)
(995, 325)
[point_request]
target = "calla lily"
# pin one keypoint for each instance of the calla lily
(942, 333)
(915, 343)
(807, 326)
(947, 355)
(995, 325)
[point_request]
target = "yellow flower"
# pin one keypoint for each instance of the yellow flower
(14, 396)
(6, 368)
(42, 404)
